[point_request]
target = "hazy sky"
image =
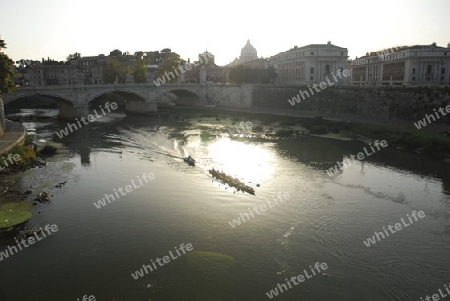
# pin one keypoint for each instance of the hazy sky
(34, 29)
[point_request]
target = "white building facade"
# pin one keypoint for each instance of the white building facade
(407, 65)
(309, 64)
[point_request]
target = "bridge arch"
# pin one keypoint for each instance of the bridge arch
(9, 98)
(116, 90)
(175, 89)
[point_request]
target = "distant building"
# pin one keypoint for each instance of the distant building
(156, 57)
(206, 62)
(248, 53)
(259, 63)
(406, 65)
(45, 75)
(213, 72)
(90, 68)
(313, 63)
(76, 71)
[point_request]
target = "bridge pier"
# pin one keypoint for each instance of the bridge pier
(69, 111)
(140, 107)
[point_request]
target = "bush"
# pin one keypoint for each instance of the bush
(335, 127)
(309, 123)
(285, 133)
(319, 129)
(287, 123)
(258, 129)
(48, 150)
(26, 154)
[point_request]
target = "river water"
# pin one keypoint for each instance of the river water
(326, 219)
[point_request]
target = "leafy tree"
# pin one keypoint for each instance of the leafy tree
(76, 55)
(140, 70)
(272, 75)
(170, 63)
(6, 71)
(115, 67)
(243, 74)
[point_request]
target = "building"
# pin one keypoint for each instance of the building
(76, 71)
(213, 72)
(309, 64)
(205, 65)
(248, 58)
(57, 74)
(260, 63)
(248, 53)
(90, 68)
(406, 65)
(156, 57)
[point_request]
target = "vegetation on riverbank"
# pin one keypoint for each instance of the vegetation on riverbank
(14, 210)
(12, 214)
(426, 141)
(26, 156)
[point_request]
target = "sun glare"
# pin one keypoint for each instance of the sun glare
(243, 160)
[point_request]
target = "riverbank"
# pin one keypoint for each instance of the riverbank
(14, 135)
(16, 201)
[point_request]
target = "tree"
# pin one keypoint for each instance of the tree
(243, 74)
(272, 75)
(140, 71)
(171, 62)
(115, 67)
(6, 71)
(75, 56)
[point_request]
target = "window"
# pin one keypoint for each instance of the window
(413, 78)
(312, 52)
(443, 70)
(414, 70)
(429, 69)
(311, 78)
(311, 70)
(342, 53)
(327, 69)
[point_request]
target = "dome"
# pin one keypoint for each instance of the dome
(248, 53)
(207, 54)
(249, 50)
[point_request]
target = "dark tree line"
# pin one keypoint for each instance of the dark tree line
(6, 71)
(246, 75)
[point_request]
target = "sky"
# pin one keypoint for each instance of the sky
(36, 29)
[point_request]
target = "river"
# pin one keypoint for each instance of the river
(325, 219)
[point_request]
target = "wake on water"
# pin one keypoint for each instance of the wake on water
(154, 141)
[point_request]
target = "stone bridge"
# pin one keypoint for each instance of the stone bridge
(73, 101)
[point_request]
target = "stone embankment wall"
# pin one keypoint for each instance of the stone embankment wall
(385, 103)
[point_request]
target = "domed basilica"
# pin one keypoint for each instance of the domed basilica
(248, 53)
